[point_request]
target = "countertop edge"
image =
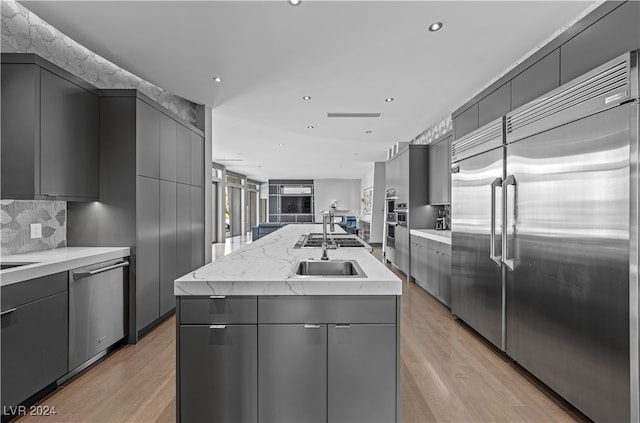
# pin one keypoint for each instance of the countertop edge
(432, 236)
(57, 265)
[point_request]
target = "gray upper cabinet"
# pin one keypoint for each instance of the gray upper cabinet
(183, 155)
(197, 146)
(168, 140)
(466, 122)
(611, 36)
(542, 77)
(148, 128)
(494, 105)
(50, 132)
(69, 139)
(439, 172)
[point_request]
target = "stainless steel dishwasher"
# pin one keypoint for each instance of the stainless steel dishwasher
(96, 310)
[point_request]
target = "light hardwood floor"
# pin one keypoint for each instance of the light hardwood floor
(448, 374)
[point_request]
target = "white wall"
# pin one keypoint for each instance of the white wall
(346, 191)
(376, 179)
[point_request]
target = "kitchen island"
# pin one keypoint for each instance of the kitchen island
(256, 342)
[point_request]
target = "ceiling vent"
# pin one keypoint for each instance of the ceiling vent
(354, 115)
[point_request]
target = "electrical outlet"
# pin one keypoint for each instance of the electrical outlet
(36, 230)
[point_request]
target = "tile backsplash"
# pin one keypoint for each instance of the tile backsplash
(16, 216)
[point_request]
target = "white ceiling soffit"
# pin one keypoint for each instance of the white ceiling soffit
(348, 56)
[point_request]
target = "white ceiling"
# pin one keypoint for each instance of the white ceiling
(347, 55)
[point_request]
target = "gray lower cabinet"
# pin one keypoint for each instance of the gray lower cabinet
(361, 368)
(168, 244)
(218, 374)
(148, 252)
(197, 227)
(34, 337)
(402, 249)
(292, 375)
(431, 267)
(183, 213)
(319, 371)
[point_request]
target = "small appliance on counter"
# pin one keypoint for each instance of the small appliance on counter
(441, 221)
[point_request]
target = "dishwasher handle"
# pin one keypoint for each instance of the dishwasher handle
(79, 275)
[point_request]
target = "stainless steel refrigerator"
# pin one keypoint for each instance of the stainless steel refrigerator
(545, 238)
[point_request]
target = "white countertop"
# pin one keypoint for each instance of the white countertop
(264, 266)
(434, 235)
(48, 262)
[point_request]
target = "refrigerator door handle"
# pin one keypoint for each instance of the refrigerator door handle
(510, 180)
(497, 183)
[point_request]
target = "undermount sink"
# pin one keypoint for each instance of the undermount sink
(328, 269)
(4, 266)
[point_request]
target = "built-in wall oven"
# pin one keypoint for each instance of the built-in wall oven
(391, 234)
(402, 214)
(391, 207)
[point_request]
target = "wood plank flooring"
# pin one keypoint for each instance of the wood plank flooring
(448, 374)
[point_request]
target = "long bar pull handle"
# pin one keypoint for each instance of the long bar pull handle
(343, 326)
(11, 310)
(311, 326)
(217, 297)
(497, 183)
(511, 180)
(217, 326)
(78, 275)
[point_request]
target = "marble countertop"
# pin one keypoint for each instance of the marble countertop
(434, 235)
(263, 267)
(48, 262)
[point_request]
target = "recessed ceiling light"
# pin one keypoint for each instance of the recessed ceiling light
(309, 127)
(436, 26)
(217, 79)
(368, 132)
(306, 97)
(388, 99)
(355, 154)
(295, 2)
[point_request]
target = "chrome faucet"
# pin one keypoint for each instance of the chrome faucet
(327, 214)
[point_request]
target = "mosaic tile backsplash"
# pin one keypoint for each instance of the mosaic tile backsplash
(16, 216)
(25, 32)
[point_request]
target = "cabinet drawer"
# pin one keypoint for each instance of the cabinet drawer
(327, 309)
(31, 290)
(440, 247)
(205, 310)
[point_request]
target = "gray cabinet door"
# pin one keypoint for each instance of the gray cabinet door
(34, 347)
(445, 278)
(197, 228)
(69, 139)
(148, 135)
(184, 229)
(611, 36)
(402, 248)
(20, 131)
(433, 272)
(292, 373)
(183, 155)
(415, 257)
(168, 244)
(466, 122)
(168, 135)
(494, 105)
(148, 252)
(540, 78)
(197, 162)
(439, 172)
(361, 382)
(219, 374)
